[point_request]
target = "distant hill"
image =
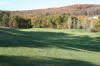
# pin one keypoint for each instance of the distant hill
(78, 10)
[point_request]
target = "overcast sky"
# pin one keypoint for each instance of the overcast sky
(40, 4)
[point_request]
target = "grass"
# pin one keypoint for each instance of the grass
(49, 47)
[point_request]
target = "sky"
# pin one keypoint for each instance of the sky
(40, 4)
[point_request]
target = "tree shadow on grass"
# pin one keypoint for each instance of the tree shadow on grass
(40, 61)
(16, 38)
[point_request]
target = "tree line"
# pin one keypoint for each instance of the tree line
(14, 21)
(59, 21)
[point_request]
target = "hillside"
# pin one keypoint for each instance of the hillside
(78, 10)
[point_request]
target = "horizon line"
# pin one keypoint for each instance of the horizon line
(47, 8)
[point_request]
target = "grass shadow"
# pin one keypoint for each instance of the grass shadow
(40, 61)
(17, 38)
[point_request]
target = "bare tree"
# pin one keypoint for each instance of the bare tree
(74, 24)
(69, 22)
(91, 26)
(84, 24)
(78, 24)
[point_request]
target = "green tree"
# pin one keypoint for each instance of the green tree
(5, 20)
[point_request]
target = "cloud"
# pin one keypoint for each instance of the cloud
(3, 3)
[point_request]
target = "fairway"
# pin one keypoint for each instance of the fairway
(49, 47)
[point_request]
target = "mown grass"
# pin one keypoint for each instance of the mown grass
(49, 47)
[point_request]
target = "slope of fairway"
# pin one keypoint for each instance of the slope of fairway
(49, 47)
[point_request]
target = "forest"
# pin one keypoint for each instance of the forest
(57, 21)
